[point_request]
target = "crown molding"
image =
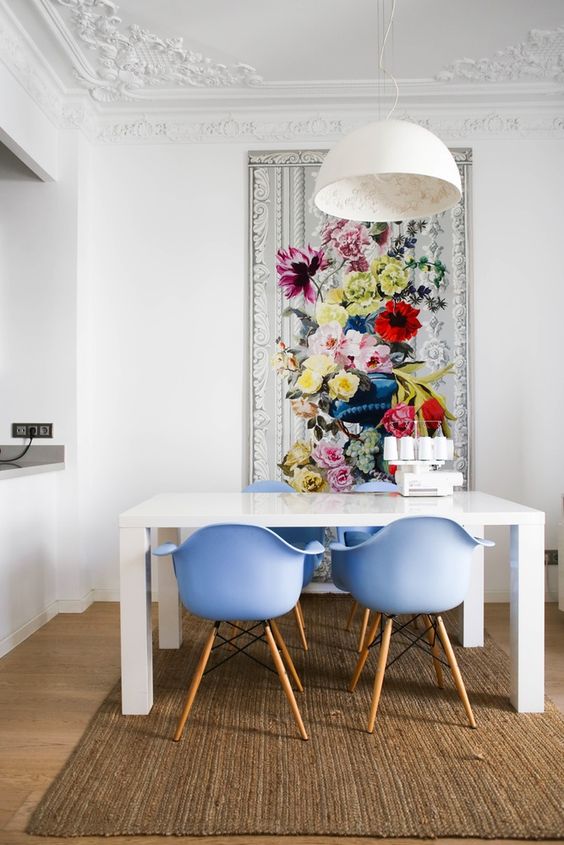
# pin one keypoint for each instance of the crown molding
(281, 112)
(177, 129)
(29, 67)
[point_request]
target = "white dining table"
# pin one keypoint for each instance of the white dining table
(162, 517)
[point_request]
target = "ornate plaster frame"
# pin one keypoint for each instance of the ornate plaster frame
(263, 208)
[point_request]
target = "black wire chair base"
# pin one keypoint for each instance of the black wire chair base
(402, 630)
(240, 649)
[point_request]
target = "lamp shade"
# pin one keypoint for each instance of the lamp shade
(387, 171)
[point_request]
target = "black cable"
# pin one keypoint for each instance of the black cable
(17, 457)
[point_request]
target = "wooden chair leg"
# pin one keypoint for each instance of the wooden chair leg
(452, 662)
(363, 627)
(301, 612)
(284, 680)
(299, 623)
(286, 654)
(196, 679)
(432, 639)
(351, 615)
(364, 653)
(380, 670)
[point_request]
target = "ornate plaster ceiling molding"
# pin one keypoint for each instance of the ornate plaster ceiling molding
(175, 130)
(131, 62)
(20, 56)
(36, 77)
(540, 57)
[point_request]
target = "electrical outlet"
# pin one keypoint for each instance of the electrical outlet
(35, 429)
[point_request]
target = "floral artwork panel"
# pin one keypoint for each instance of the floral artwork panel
(358, 332)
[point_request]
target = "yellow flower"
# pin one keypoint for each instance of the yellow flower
(390, 274)
(359, 287)
(362, 309)
(321, 364)
(328, 313)
(309, 381)
(298, 455)
(343, 386)
(334, 296)
(306, 480)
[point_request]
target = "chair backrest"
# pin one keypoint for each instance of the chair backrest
(365, 487)
(376, 487)
(299, 536)
(268, 486)
(233, 571)
(417, 564)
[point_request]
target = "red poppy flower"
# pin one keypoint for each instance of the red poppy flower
(433, 413)
(297, 267)
(398, 322)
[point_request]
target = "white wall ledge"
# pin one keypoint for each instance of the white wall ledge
(38, 459)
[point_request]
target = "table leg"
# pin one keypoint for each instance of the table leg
(527, 618)
(170, 608)
(471, 614)
(135, 621)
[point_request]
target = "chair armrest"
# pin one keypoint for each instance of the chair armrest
(314, 547)
(164, 549)
(339, 547)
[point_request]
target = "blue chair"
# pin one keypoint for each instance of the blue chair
(299, 536)
(244, 573)
(417, 565)
(351, 535)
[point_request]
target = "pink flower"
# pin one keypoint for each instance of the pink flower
(303, 408)
(340, 479)
(399, 420)
(331, 228)
(328, 454)
(296, 269)
(358, 265)
(350, 240)
(328, 339)
(373, 356)
(351, 347)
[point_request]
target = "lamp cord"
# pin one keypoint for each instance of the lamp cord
(381, 62)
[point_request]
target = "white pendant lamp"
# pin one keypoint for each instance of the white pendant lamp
(388, 171)
(391, 170)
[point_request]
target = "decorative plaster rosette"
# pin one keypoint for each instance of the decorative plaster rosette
(540, 56)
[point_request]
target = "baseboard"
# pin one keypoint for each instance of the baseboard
(17, 637)
(76, 605)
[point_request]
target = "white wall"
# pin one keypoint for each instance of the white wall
(28, 556)
(38, 383)
(168, 328)
(517, 325)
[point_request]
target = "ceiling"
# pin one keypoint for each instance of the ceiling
(294, 43)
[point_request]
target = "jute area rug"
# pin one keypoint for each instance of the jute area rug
(241, 767)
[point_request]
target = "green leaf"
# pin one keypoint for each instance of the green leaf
(412, 367)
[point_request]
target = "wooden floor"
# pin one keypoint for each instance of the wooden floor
(52, 684)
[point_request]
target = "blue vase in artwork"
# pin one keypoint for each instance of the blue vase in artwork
(367, 407)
